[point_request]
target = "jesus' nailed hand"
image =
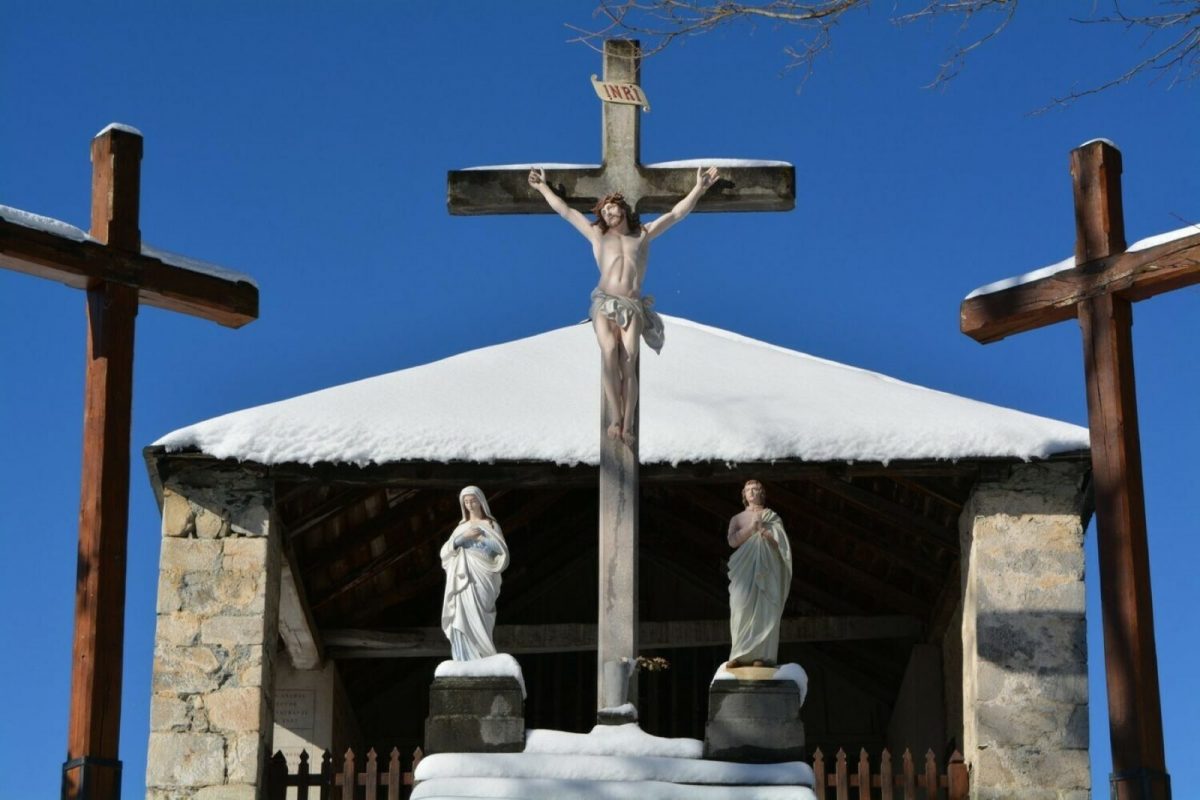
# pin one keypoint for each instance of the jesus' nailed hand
(620, 315)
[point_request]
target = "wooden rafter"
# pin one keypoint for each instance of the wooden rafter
(890, 511)
(578, 636)
(873, 538)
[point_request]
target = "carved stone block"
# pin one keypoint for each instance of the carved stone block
(754, 721)
(475, 715)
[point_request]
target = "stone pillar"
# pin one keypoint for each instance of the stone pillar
(215, 640)
(1025, 690)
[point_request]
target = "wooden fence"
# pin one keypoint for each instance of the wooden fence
(395, 783)
(392, 783)
(888, 784)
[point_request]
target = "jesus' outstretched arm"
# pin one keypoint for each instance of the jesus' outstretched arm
(537, 179)
(704, 179)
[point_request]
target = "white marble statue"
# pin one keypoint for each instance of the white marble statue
(760, 577)
(619, 312)
(473, 557)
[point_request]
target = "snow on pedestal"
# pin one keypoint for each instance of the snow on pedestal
(786, 672)
(501, 665)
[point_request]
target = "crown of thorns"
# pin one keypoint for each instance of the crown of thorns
(615, 197)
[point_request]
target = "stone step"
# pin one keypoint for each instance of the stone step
(555, 789)
(542, 775)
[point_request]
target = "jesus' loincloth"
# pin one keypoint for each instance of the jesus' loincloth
(622, 310)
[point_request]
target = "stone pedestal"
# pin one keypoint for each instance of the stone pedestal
(475, 715)
(754, 721)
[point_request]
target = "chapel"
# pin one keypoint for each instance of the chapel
(937, 598)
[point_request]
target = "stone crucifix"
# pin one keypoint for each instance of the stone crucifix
(675, 190)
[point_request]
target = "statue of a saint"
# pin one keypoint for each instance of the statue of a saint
(473, 557)
(619, 312)
(760, 577)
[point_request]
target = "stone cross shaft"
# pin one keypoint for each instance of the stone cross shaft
(1100, 291)
(646, 189)
(110, 265)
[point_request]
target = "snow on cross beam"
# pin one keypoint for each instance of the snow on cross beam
(744, 185)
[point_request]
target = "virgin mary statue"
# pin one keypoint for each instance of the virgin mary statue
(473, 557)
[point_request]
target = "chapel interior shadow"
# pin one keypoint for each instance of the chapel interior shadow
(869, 552)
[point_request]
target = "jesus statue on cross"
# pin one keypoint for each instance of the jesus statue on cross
(619, 312)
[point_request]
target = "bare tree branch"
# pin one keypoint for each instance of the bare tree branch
(659, 23)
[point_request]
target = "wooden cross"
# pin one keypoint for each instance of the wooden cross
(118, 273)
(1100, 290)
(647, 189)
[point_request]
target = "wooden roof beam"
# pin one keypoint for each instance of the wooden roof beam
(574, 637)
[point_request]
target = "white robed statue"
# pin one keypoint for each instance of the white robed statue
(473, 557)
(760, 577)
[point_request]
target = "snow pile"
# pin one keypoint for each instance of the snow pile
(695, 407)
(550, 789)
(1069, 262)
(501, 665)
(542, 775)
(611, 740)
(786, 672)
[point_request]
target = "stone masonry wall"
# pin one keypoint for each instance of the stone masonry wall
(1025, 690)
(215, 640)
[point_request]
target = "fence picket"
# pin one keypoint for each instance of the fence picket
(864, 775)
(394, 775)
(819, 773)
(302, 773)
(843, 778)
(931, 776)
(371, 777)
(325, 790)
(887, 781)
(909, 776)
(349, 776)
(957, 778)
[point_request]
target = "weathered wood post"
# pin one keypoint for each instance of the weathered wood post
(117, 276)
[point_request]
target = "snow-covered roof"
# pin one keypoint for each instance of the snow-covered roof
(712, 395)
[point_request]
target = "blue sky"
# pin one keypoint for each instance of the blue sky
(307, 144)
